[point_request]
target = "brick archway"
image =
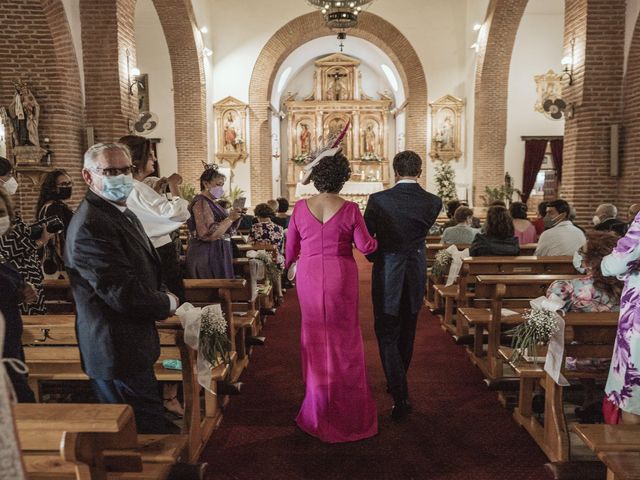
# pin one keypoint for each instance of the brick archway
(109, 106)
(301, 30)
(491, 92)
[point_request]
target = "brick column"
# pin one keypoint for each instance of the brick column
(597, 26)
(107, 35)
(491, 93)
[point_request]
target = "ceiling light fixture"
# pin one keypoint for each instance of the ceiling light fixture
(340, 15)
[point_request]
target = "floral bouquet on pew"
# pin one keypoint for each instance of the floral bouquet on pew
(538, 327)
(205, 330)
(441, 263)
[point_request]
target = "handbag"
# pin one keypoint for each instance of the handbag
(291, 273)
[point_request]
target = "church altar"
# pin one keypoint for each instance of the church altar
(349, 189)
(337, 98)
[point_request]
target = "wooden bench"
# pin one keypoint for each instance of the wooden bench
(617, 446)
(500, 291)
(52, 353)
(587, 335)
(90, 441)
(463, 292)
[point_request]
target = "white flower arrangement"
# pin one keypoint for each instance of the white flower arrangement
(538, 327)
(215, 345)
(371, 157)
(446, 182)
(441, 263)
(266, 258)
(300, 159)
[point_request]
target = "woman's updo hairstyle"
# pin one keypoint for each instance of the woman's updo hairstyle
(210, 172)
(331, 173)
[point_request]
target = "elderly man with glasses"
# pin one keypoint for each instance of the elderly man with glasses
(116, 282)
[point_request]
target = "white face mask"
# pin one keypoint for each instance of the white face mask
(5, 225)
(596, 220)
(11, 186)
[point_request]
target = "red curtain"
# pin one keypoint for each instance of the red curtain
(556, 151)
(533, 156)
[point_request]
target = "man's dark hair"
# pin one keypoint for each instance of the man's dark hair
(542, 208)
(499, 223)
(462, 214)
(262, 210)
(452, 206)
(283, 205)
(518, 210)
(407, 164)
(331, 173)
(498, 203)
(561, 206)
(6, 167)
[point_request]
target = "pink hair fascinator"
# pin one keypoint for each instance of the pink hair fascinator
(326, 151)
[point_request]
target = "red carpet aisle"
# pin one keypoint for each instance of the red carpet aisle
(457, 431)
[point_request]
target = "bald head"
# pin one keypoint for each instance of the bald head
(606, 211)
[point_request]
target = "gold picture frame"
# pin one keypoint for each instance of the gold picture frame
(446, 128)
(231, 126)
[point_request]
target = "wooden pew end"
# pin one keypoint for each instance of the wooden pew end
(583, 470)
(504, 384)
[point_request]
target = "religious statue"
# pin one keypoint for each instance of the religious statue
(305, 139)
(370, 139)
(24, 114)
(230, 134)
(337, 90)
(446, 133)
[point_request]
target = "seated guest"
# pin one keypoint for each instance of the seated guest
(634, 209)
(452, 206)
(282, 217)
(539, 221)
(605, 220)
(522, 227)
(273, 204)
(498, 239)
(116, 281)
(561, 236)
(267, 232)
(56, 189)
(161, 218)
(20, 248)
(462, 233)
(14, 291)
(593, 292)
(210, 253)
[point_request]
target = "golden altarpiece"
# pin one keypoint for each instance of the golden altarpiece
(337, 98)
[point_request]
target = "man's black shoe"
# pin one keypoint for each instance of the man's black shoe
(401, 409)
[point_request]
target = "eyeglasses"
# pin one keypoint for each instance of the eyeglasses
(111, 171)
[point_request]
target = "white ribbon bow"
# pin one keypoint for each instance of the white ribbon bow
(555, 348)
(456, 263)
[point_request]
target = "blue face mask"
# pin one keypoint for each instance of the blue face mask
(577, 263)
(118, 188)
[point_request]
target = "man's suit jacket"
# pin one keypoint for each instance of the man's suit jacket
(115, 276)
(400, 219)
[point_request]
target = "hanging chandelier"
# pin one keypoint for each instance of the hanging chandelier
(340, 15)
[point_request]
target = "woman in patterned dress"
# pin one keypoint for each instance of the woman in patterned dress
(622, 402)
(20, 249)
(267, 232)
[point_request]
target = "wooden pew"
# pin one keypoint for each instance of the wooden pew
(617, 446)
(587, 335)
(85, 441)
(51, 353)
(500, 291)
(462, 292)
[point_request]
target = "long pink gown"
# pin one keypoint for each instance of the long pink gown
(338, 405)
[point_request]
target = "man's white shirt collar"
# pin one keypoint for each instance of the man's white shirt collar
(406, 181)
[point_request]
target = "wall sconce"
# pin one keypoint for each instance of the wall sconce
(133, 74)
(567, 62)
(207, 52)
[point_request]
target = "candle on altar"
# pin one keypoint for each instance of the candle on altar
(300, 176)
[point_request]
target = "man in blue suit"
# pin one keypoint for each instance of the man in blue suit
(400, 219)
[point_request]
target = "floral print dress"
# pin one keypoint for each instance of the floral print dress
(269, 232)
(579, 295)
(623, 384)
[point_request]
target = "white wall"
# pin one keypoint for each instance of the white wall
(152, 55)
(633, 9)
(72, 10)
(533, 54)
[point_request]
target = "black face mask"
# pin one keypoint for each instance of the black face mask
(64, 193)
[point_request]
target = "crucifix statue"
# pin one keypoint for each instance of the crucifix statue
(337, 89)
